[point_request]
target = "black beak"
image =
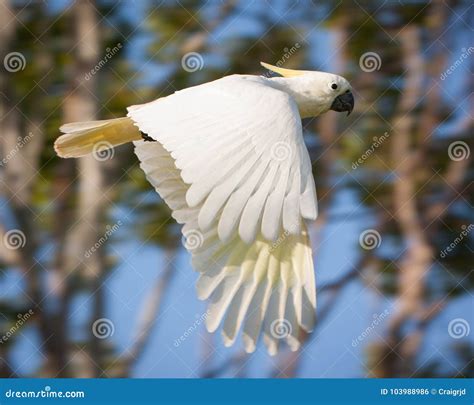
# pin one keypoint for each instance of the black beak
(344, 102)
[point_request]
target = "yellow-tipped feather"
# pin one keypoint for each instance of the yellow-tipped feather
(282, 71)
(80, 138)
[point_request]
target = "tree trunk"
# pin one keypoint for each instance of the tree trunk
(81, 105)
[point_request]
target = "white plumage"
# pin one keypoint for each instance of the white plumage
(230, 162)
(241, 196)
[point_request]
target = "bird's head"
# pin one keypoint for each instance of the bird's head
(314, 92)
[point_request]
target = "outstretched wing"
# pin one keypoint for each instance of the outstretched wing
(239, 146)
(231, 163)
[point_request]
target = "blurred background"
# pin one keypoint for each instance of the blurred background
(94, 281)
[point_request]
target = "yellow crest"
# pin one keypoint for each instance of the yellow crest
(282, 71)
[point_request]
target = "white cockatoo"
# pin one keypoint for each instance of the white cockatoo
(229, 160)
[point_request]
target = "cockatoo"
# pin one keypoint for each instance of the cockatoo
(228, 158)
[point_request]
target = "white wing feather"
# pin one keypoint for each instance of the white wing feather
(231, 163)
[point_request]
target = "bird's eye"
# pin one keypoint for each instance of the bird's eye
(334, 86)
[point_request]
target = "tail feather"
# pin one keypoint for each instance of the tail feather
(82, 138)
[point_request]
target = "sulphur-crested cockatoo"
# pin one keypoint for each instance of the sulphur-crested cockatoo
(229, 160)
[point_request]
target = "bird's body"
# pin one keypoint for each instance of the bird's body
(230, 162)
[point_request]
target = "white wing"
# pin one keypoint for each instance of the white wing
(231, 163)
